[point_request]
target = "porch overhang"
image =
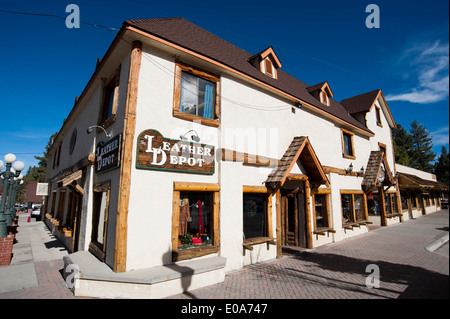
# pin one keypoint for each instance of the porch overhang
(415, 183)
(377, 172)
(301, 150)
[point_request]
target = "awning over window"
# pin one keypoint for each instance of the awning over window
(412, 182)
(299, 149)
(377, 172)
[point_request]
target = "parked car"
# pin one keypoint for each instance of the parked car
(36, 213)
(444, 203)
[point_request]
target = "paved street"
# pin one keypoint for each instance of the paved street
(336, 271)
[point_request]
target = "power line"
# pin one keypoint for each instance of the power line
(56, 16)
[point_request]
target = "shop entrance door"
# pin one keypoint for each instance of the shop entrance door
(293, 218)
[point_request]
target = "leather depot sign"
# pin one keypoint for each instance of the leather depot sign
(160, 153)
(107, 154)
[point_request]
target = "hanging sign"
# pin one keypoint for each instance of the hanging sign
(107, 154)
(161, 153)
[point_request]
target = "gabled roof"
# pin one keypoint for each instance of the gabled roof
(299, 149)
(185, 34)
(323, 86)
(265, 53)
(364, 103)
(408, 181)
(374, 166)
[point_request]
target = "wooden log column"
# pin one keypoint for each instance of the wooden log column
(382, 205)
(120, 249)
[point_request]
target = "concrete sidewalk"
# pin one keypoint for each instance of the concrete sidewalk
(36, 255)
(411, 265)
(407, 270)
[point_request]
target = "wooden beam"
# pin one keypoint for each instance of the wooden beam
(175, 219)
(382, 205)
(309, 235)
(256, 189)
(278, 209)
(120, 248)
(195, 187)
(246, 158)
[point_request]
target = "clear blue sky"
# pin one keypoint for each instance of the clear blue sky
(44, 65)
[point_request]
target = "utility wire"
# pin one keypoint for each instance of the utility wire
(57, 16)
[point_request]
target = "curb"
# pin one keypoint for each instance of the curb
(438, 243)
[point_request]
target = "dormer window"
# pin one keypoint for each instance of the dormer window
(268, 67)
(324, 98)
(267, 62)
(322, 92)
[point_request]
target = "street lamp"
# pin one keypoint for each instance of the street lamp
(13, 169)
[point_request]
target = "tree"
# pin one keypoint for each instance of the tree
(402, 145)
(421, 155)
(442, 166)
(36, 173)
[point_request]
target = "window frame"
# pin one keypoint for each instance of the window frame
(352, 194)
(324, 99)
(109, 86)
(352, 144)
(327, 194)
(378, 116)
(258, 190)
(178, 187)
(179, 68)
(96, 248)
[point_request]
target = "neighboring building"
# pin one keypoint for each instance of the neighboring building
(420, 192)
(275, 162)
(30, 196)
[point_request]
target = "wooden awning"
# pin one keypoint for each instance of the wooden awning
(377, 172)
(413, 182)
(299, 149)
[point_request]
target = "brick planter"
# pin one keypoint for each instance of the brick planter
(6, 247)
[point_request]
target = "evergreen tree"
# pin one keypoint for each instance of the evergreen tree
(442, 166)
(36, 173)
(421, 154)
(402, 145)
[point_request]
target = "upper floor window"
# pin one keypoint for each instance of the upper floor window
(324, 98)
(110, 100)
(268, 67)
(378, 115)
(348, 148)
(196, 95)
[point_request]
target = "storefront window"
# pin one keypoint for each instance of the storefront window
(372, 205)
(353, 207)
(254, 215)
(347, 209)
(359, 207)
(195, 220)
(99, 220)
(321, 210)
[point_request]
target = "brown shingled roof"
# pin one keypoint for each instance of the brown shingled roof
(190, 36)
(370, 181)
(361, 103)
(300, 148)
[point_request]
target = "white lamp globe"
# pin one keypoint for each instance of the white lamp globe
(9, 158)
(18, 166)
(20, 177)
(2, 165)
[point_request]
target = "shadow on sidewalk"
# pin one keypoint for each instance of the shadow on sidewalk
(349, 273)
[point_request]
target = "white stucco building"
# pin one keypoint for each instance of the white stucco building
(186, 157)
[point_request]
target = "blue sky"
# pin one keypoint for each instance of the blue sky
(44, 65)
